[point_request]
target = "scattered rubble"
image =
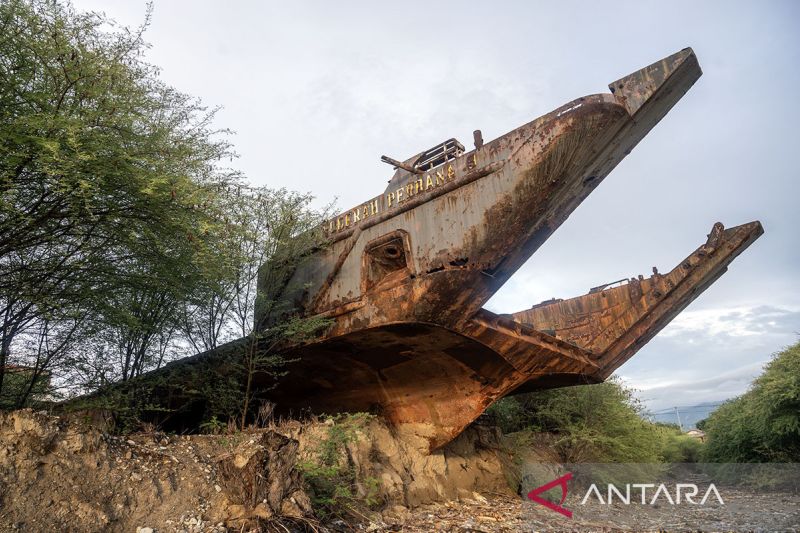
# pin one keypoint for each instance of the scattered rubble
(744, 510)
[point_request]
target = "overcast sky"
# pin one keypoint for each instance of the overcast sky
(317, 91)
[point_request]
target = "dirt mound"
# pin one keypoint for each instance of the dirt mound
(408, 474)
(59, 474)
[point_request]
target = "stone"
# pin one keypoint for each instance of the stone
(260, 473)
(396, 515)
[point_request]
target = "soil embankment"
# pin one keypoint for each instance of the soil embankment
(59, 474)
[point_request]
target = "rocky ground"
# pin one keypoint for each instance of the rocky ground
(743, 511)
(64, 474)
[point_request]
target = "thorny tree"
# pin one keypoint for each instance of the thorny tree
(266, 231)
(116, 214)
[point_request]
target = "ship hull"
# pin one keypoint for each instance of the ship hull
(434, 380)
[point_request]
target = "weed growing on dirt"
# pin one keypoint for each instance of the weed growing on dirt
(213, 426)
(330, 476)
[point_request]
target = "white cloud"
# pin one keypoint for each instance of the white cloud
(709, 354)
(733, 322)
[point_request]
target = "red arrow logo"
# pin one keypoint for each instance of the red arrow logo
(562, 482)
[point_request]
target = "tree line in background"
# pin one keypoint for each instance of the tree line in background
(763, 424)
(604, 423)
(125, 242)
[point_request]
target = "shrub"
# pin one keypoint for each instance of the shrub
(680, 448)
(591, 423)
(509, 415)
(213, 426)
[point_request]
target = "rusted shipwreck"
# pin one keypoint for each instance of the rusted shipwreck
(409, 271)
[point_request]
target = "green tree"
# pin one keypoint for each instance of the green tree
(124, 241)
(276, 228)
(266, 235)
(762, 425)
(108, 179)
(44, 351)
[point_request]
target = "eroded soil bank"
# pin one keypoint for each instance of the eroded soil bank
(59, 474)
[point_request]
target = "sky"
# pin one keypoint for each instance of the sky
(317, 91)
